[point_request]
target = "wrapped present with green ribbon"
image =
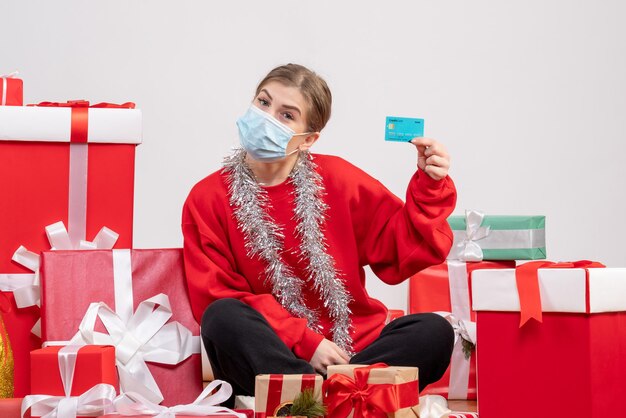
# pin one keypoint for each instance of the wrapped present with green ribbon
(480, 237)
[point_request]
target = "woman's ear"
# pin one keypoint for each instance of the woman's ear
(309, 141)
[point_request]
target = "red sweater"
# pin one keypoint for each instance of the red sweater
(365, 225)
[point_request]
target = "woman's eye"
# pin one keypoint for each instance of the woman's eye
(263, 102)
(288, 115)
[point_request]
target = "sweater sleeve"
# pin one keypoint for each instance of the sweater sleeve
(399, 239)
(211, 276)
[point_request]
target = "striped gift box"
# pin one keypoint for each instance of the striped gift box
(273, 391)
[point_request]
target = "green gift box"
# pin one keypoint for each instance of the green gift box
(480, 237)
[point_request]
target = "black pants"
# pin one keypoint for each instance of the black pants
(241, 344)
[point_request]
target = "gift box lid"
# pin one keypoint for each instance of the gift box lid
(54, 124)
(577, 290)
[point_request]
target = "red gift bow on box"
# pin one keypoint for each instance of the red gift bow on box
(80, 115)
(527, 280)
(342, 394)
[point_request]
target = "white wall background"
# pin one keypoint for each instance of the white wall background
(529, 96)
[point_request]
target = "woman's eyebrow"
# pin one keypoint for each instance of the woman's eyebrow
(268, 93)
(292, 108)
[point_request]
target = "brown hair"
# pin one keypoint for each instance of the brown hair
(313, 88)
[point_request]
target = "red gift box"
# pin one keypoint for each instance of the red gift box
(124, 279)
(573, 361)
(42, 174)
(84, 374)
(433, 290)
(11, 90)
(94, 364)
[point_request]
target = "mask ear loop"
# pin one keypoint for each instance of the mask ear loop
(298, 149)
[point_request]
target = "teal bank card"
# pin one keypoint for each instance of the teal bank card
(403, 129)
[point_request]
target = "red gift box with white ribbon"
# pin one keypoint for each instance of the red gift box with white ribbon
(444, 288)
(135, 300)
(552, 340)
(67, 181)
(72, 381)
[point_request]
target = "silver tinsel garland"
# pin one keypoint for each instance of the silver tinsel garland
(264, 239)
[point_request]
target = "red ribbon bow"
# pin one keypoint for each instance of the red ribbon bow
(527, 279)
(80, 115)
(342, 394)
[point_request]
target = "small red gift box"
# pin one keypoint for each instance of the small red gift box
(272, 391)
(11, 90)
(445, 288)
(72, 381)
(573, 361)
(49, 174)
(134, 284)
(94, 364)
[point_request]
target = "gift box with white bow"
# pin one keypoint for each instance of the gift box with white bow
(72, 381)
(480, 237)
(135, 300)
(552, 340)
(67, 181)
(444, 289)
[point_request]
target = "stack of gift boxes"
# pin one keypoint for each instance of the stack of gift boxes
(111, 320)
(533, 338)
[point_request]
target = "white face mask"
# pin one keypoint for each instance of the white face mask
(264, 137)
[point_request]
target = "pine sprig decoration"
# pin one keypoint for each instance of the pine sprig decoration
(468, 348)
(306, 404)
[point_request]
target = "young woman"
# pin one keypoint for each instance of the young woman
(276, 241)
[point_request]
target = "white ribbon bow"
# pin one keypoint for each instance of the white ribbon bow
(462, 328)
(433, 406)
(144, 337)
(25, 287)
(460, 361)
(96, 401)
(467, 249)
(130, 404)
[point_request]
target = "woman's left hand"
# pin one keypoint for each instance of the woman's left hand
(432, 157)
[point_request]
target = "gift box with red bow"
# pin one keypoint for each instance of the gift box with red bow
(555, 330)
(273, 391)
(375, 391)
(72, 381)
(67, 181)
(444, 289)
(135, 300)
